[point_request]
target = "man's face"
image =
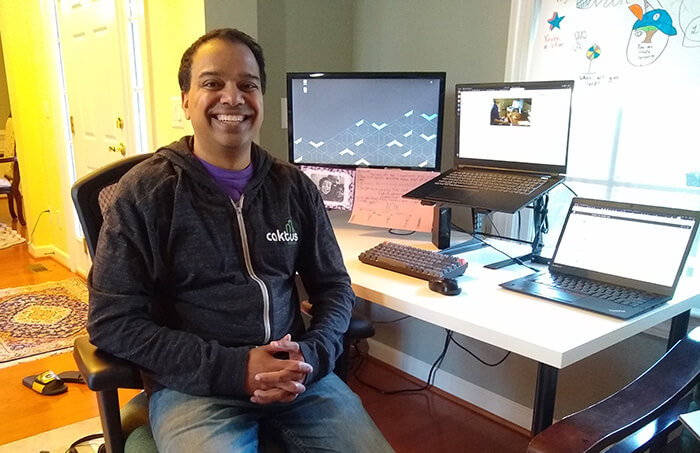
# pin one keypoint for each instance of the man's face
(224, 101)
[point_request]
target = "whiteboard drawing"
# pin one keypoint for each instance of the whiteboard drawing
(555, 21)
(649, 35)
(580, 37)
(689, 22)
(592, 53)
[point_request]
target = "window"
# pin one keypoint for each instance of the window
(636, 103)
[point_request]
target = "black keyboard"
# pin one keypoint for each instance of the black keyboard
(496, 182)
(601, 290)
(413, 261)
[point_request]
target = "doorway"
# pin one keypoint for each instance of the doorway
(103, 86)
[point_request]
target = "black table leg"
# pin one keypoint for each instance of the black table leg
(679, 328)
(545, 393)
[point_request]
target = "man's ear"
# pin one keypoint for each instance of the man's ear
(186, 104)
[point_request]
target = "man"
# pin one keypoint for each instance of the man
(193, 278)
(495, 113)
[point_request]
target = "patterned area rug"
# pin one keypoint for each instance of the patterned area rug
(41, 318)
(9, 237)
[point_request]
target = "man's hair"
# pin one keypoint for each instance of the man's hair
(184, 75)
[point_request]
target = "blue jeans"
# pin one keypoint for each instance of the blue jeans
(328, 417)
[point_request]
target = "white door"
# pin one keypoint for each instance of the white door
(96, 72)
(96, 68)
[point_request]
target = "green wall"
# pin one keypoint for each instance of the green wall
(300, 36)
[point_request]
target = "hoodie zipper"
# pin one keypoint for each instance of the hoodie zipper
(249, 267)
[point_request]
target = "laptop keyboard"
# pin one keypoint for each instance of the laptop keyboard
(612, 293)
(491, 181)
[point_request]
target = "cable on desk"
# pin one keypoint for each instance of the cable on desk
(479, 359)
(431, 374)
(570, 189)
(488, 217)
(491, 235)
(517, 260)
(394, 232)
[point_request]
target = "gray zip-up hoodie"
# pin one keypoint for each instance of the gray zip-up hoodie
(185, 281)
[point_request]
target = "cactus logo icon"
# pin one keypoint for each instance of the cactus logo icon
(288, 235)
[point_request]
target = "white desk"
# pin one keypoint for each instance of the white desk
(552, 334)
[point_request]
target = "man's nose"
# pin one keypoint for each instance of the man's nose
(232, 95)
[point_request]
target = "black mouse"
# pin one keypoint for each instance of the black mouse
(446, 286)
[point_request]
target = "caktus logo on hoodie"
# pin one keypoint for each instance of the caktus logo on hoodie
(288, 235)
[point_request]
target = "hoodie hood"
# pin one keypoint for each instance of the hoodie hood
(180, 154)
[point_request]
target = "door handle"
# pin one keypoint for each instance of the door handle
(120, 148)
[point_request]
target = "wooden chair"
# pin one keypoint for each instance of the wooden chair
(636, 418)
(9, 185)
(9, 182)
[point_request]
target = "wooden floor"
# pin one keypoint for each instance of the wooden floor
(428, 421)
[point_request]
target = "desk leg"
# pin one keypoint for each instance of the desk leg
(545, 393)
(679, 328)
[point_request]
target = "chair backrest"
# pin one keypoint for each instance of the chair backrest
(94, 192)
(636, 416)
(9, 150)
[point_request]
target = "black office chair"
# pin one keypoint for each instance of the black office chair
(128, 429)
(638, 417)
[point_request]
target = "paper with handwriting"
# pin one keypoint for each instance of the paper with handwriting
(379, 202)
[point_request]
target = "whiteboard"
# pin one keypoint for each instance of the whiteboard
(636, 67)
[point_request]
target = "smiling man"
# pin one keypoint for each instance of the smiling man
(193, 278)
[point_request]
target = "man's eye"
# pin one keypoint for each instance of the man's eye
(211, 84)
(250, 86)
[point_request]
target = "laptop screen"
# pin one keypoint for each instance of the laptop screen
(522, 126)
(647, 244)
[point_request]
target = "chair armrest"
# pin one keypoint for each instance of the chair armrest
(103, 371)
(645, 399)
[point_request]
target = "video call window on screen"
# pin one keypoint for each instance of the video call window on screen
(511, 112)
(377, 120)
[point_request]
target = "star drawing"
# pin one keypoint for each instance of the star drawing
(555, 21)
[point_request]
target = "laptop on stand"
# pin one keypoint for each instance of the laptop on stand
(617, 259)
(511, 145)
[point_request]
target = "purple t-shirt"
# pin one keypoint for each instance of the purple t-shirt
(233, 182)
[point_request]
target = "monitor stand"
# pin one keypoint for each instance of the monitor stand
(539, 219)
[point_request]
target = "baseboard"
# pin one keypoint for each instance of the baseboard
(50, 251)
(491, 402)
(81, 272)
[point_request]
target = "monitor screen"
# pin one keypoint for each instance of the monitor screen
(379, 120)
(522, 125)
(642, 243)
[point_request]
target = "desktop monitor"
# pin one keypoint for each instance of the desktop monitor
(514, 125)
(366, 119)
